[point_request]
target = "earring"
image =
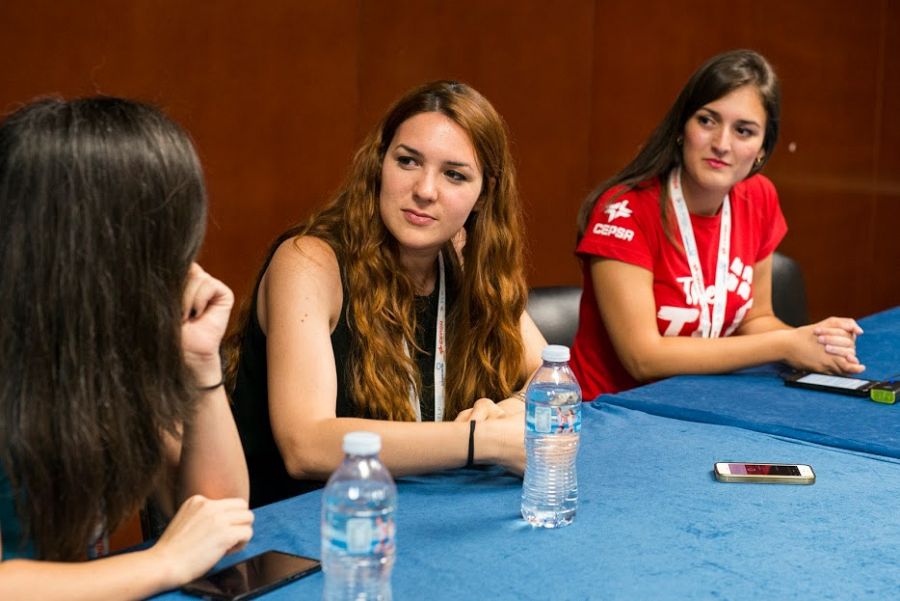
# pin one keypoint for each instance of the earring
(679, 140)
(758, 161)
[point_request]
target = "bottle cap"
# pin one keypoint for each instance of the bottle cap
(555, 353)
(362, 443)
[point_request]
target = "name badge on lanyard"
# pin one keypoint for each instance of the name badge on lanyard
(439, 360)
(710, 326)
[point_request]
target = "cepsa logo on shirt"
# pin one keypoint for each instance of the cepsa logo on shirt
(615, 210)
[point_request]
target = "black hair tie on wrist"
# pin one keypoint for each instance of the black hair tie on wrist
(211, 388)
(471, 460)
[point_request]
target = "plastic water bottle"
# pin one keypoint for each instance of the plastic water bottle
(358, 506)
(552, 426)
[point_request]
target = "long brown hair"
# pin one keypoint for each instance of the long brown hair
(485, 348)
(717, 77)
(102, 208)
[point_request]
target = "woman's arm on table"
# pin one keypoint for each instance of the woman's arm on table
(299, 304)
(199, 535)
(625, 298)
(836, 334)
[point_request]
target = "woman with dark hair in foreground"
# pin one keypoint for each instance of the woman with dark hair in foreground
(110, 377)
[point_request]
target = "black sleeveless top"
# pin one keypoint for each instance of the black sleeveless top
(269, 480)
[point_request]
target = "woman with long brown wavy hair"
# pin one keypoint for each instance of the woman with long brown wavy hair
(397, 308)
(110, 377)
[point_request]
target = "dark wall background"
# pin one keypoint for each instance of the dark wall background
(278, 93)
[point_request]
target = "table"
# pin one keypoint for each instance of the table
(652, 524)
(757, 399)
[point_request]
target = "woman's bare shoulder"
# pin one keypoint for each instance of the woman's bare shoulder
(302, 267)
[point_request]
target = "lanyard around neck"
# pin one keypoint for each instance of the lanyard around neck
(709, 327)
(439, 360)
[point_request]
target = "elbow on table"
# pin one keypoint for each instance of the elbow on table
(641, 366)
(234, 486)
(304, 461)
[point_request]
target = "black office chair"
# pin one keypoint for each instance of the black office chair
(554, 310)
(788, 291)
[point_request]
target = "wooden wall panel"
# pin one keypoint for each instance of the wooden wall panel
(824, 166)
(827, 59)
(882, 239)
(269, 94)
(825, 238)
(283, 123)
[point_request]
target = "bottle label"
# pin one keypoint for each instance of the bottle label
(360, 535)
(558, 419)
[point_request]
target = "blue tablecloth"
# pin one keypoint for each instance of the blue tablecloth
(653, 523)
(757, 399)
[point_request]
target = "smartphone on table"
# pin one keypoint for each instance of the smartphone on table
(772, 473)
(829, 383)
(252, 577)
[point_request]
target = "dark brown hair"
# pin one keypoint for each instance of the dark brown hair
(485, 348)
(102, 209)
(719, 76)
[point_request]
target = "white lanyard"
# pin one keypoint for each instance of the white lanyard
(708, 329)
(439, 362)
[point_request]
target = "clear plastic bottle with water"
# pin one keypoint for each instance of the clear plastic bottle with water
(358, 529)
(552, 427)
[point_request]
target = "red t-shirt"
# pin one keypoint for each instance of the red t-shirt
(631, 230)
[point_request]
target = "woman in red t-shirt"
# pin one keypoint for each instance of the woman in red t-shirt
(677, 247)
